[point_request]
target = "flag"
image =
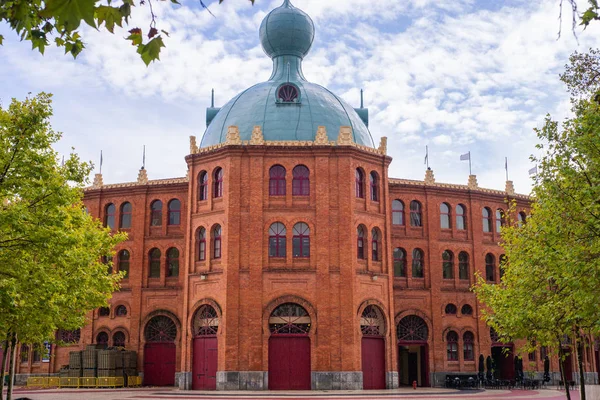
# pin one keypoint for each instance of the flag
(506, 163)
(100, 161)
(466, 156)
(533, 171)
(426, 155)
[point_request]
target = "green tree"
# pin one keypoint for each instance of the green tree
(550, 285)
(51, 274)
(40, 21)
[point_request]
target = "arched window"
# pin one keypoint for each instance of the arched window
(397, 212)
(499, 219)
(201, 244)
(300, 181)
(160, 329)
(203, 186)
(174, 212)
(468, 351)
(448, 264)
(68, 337)
(463, 266)
(301, 240)
(124, 262)
(102, 338)
(375, 237)
(417, 263)
(452, 346)
(412, 329)
(399, 262)
(372, 322)
(119, 339)
(277, 241)
(522, 218)
(360, 184)
(461, 217)
(450, 309)
(360, 242)
(487, 219)
(216, 238)
(490, 268)
(206, 321)
(415, 214)
(121, 311)
(154, 271)
(374, 183)
(109, 216)
(125, 222)
(502, 264)
(289, 318)
(445, 216)
(104, 311)
(277, 181)
(156, 213)
(218, 183)
(24, 353)
(466, 310)
(172, 262)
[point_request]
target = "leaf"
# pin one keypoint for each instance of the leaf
(588, 16)
(1, 39)
(151, 50)
(70, 13)
(153, 32)
(135, 35)
(109, 16)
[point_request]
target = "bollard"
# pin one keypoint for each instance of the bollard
(415, 385)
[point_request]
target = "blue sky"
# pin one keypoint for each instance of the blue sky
(456, 75)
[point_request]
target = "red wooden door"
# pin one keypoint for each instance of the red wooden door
(373, 362)
(204, 369)
(289, 362)
(568, 365)
(159, 364)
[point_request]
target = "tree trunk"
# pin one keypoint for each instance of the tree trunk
(562, 370)
(580, 365)
(3, 367)
(11, 369)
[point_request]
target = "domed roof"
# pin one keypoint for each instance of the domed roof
(287, 106)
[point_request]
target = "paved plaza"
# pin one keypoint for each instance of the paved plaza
(404, 394)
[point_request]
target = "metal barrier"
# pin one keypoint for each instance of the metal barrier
(110, 382)
(37, 382)
(69, 382)
(85, 382)
(54, 381)
(134, 381)
(88, 382)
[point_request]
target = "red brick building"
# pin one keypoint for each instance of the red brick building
(288, 259)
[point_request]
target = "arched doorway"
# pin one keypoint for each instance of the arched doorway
(204, 368)
(413, 356)
(503, 357)
(372, 326)
(289, 348)
(159, 351)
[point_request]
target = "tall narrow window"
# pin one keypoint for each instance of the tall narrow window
(24, 353)
(397, 212)
(301, 240)
(360, 184)
(216, 238)
(154, 271)
(452, 346)
(486, 213)
(218, 183)
(277, 233)
(415, 213)
(468, 351)
(156, 213)
(300, 181)
(360, 243)
(374, 183)
(121, 311)
(125, 222)
(109, 218)
(203, 186)
(102, 338)
(375, 237)
(448, 264)
(172, 262)
(461, 217)
(490, 268)
(174, 212)
(119, 339)
(522, 218)
(417, 263)
(499, 219)
(277, 181)
(501, 265)
(444, 216)
(124, 263)
(201, 243)
(463, 266)
(399, 262)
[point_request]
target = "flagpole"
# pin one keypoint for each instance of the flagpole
(470, 172)
(427, 156)
(506, 166)
(100, 162)
(144, 158)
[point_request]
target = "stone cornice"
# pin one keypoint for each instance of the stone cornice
(464, 188)
(154, 182)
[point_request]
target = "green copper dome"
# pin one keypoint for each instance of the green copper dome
(287, 106)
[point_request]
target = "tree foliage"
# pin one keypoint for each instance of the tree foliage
(51, 274)
(43, 21)
(550, 285)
